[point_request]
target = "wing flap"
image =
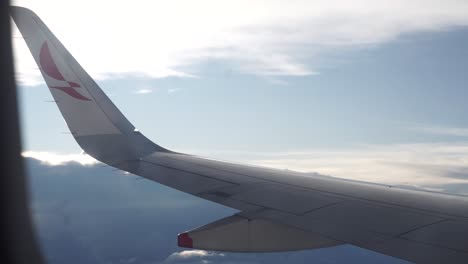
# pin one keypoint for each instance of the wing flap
(443, 241)
(240, 234)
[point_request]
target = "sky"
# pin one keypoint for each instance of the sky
(367, 90)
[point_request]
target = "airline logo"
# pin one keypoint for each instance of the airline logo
(50, 68)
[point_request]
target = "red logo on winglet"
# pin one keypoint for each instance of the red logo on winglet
(50, 68)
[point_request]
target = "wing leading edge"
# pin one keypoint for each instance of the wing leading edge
(279, 210)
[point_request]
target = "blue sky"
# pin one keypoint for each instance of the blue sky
(371, 91)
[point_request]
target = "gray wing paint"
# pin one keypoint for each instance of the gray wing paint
(278, 210)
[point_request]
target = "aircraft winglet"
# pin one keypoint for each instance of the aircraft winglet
(95, 122)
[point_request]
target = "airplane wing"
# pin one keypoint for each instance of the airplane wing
(278, 210)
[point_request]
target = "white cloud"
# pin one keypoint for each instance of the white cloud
(192, 256)
(55, 159)
(160, 38)
(144, 91)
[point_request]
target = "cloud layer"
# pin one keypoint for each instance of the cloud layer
(55, 159)
(435, 166)
(270, 38)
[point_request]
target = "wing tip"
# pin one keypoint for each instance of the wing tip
(19, 11)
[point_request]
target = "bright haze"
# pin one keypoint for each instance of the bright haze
(368, 90)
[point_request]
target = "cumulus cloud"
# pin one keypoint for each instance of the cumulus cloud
(270, 38)
(54, 159)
